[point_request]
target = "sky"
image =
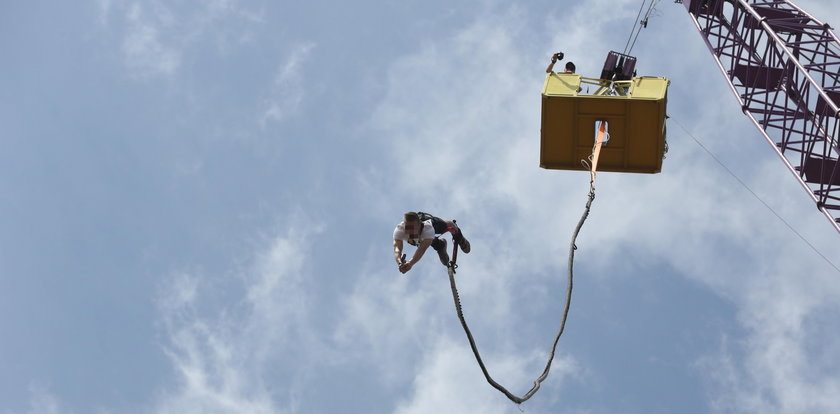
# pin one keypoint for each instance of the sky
(197, 200)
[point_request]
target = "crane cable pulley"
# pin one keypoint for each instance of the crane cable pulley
(592, 166)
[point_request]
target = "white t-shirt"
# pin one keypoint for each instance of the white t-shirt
(428, 232)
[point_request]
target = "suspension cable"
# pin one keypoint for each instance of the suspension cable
(633, 30)
(634, 33)
(756, 196)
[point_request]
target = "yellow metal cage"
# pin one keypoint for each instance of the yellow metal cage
(634, 111)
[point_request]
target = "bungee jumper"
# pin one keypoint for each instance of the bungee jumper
(422, 230)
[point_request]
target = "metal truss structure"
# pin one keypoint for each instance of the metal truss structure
(784, 67)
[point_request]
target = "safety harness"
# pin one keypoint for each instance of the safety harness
(441, 222)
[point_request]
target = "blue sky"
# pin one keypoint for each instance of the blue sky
(198, 200)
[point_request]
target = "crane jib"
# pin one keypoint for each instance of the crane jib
(781, 64)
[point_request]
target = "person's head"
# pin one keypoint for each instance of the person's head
(412, 223)
(570, 67)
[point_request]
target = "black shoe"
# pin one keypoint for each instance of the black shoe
(440, 246)
(462, 241)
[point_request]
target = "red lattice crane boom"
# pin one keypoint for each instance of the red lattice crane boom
(783, 65)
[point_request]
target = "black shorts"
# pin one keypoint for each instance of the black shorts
(439, 225)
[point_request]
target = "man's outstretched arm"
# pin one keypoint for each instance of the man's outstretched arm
(417, 255)
(554, 58)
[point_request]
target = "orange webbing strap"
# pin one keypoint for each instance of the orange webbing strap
(596, 150)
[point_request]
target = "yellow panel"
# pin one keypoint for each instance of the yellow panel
(636, 127)
(646, 87)
(557, 84)
(557, 118)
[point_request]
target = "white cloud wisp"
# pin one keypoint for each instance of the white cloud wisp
(224, 359)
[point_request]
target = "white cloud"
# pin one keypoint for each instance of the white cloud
(387, 320)
(148, 50)
(223, 357)
(783, 366)
(104, 11)
(287, 91)
(159, 37)
(449, 380)
(41, 401)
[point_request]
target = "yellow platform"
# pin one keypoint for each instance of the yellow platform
(635, 119)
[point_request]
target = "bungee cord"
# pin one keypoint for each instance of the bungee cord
(592, 164)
